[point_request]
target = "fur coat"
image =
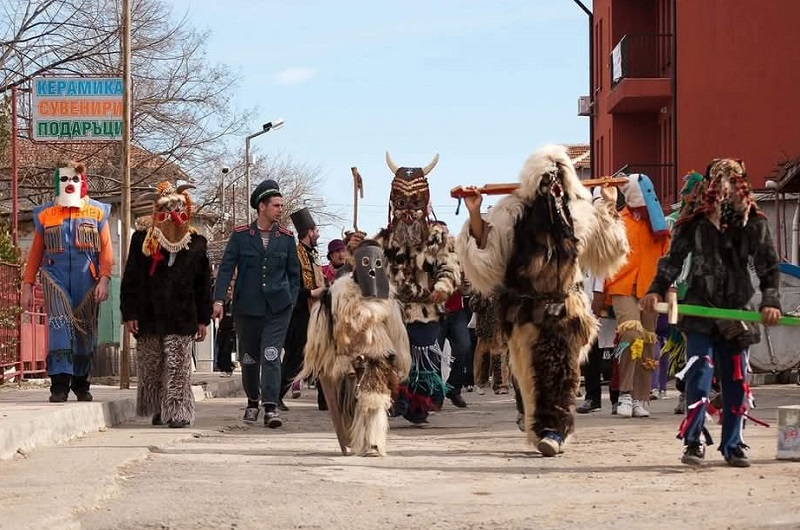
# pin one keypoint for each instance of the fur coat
(414, 273)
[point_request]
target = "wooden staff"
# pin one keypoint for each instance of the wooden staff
(459, 192)
(358, 188)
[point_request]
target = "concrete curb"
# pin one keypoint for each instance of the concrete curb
(31, 424)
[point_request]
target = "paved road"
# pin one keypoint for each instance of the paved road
(468, 469)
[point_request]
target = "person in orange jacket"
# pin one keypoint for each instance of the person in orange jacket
(648, 238)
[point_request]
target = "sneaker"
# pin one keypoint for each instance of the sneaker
(502, 391)
(680, 408)
(272, 419)
(251, 414)
(625, 406)
(479, 390)
(693, 454)
(662, 394)
(282, 406)
(587, 407)
(550, 444)
(296, 390)
(653, 394)
(639, 409)
(737, 457)
(469, 388)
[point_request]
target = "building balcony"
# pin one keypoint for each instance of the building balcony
(641, 73)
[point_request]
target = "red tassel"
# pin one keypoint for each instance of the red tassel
(737, 367)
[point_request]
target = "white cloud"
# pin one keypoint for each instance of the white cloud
(295, 76)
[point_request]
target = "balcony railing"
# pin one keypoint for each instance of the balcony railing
(663, 178)
(641, 56)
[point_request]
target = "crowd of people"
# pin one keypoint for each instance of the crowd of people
(556, 280)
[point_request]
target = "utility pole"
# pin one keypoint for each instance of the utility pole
(125, 354)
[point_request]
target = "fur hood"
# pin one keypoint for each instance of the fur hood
(550, 158)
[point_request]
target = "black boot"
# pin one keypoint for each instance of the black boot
(59, 388)
(455, 397)
(80, 386)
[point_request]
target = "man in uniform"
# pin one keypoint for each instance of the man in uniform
(267, 282)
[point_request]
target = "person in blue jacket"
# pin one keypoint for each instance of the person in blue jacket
(264, 254)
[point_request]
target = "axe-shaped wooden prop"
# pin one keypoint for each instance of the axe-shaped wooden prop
(358, 190)
(672, 309)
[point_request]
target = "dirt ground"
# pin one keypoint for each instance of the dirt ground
(470, 468)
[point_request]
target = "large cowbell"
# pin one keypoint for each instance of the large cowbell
(370, 272)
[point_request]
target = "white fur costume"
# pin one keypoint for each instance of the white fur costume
(357, 346)
(537, 271)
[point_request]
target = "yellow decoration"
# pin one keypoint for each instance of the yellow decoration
(650, 364)
(637, 347)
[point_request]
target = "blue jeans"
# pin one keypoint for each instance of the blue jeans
(731, 367)
(260, 344)
(454, 329)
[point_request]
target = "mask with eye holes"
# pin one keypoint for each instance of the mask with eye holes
(370, 272)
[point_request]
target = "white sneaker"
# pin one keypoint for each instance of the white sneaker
(663, 394)
(625, 406)
(479, 390)
(639, 409)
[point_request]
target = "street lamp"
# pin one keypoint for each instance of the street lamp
(267, 127)
(225, 171)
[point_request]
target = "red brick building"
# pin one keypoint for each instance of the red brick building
(679, 82)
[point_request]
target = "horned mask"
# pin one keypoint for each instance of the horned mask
(409, 202)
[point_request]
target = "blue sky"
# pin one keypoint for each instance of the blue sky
(481, 82)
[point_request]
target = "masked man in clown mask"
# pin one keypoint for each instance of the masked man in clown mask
(72, 249)
(165, 301)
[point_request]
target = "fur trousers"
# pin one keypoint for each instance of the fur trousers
(545, 363)
(164, 370)
(491, 359)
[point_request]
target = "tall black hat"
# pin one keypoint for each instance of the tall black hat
(302, 220)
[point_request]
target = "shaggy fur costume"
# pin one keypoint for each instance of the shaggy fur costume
(166, 289)
(531, 257)
(415, 272)
(165, 387)
(360, 345)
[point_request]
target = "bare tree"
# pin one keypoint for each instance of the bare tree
(181, 108)
(299, 183)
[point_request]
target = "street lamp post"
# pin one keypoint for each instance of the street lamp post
(276, 124)
(225, 171)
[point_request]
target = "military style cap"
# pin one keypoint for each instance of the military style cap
(268, 188)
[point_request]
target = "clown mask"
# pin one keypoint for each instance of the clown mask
(70, 185)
